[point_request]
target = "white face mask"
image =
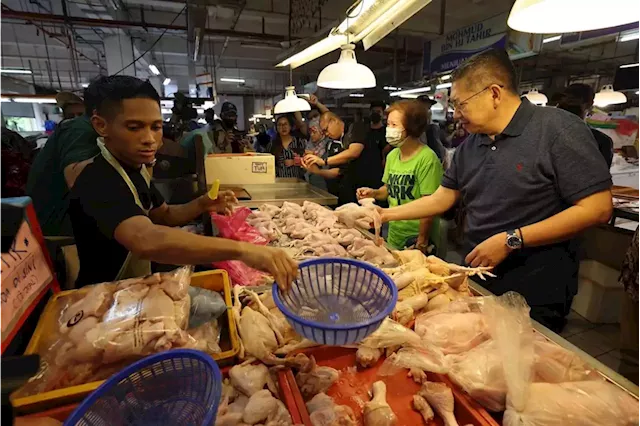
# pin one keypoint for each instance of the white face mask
(394, 137)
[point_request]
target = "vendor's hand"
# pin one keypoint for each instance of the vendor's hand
(289, 163)
(490, 252)
(311, 168)
(313, 159)
(384, 214)
(365, 193)
(275, 261)
(422, 243)
(223, 204)
(313, 99)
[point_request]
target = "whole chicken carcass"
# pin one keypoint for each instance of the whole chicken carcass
(314, 379)
(256, 335)
(356, 249)
(324, 412)
(589, 403)
(407, 309)
(345, 237)
(367, 357)
(427, 358)
(452, 332)
(378, 255)
(94, 304)
(440, 397)
(291, 210)
(377, 412)
(354, 215)
(270, 210)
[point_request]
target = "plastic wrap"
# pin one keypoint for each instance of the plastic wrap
(241, 274)
(206, 306)
(457, 328)
(103, 329)
(235, 227)
(390, 334)
(583, 403)
(554, 364)
(425, 358)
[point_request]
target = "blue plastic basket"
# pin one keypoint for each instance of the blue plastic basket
(337, 301)
(177, 387)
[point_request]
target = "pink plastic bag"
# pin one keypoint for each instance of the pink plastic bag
(235, 227)
(241, 274)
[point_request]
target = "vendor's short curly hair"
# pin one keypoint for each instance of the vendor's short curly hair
(414, 116)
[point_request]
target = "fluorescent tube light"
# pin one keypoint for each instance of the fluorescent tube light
(629, 37)
(154, 69)
(14, 71)
(28, 100)
(443, 86)
(356, 95)
(166, 111)
(232, 80)
(396, 15)
(85, 85)
(629, 65)
(320, 48)
(166, 81)
(411, 91)
(445, 77)
(392, 88)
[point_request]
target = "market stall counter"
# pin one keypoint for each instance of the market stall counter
(283, 190)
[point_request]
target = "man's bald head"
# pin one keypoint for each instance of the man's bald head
(332, 125)
(492, 66)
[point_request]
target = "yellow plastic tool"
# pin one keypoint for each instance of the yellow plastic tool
(213, 192)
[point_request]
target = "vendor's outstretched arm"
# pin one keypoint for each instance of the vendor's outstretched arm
(300, 124)
(437, 203)
(351, 153)
(162, 244)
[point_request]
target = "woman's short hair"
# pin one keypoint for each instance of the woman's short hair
(414, 116)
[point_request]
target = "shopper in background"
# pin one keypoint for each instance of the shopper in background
(324, 178)
(71, 104)
(206, 134)
(412, 171)
(578, 99)
(431, 134)
(121, 221)
(288, 150)
(263, 140)
(377, 130)
(17, 157)
(67, 151)
(529, 184)
(458, 135)
(629, 313)
(362, 158)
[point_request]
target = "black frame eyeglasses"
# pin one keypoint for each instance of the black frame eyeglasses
(461, 105)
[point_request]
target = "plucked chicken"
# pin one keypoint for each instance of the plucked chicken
(313, 379)
(452, 332)
(323, 411)
(377, 412)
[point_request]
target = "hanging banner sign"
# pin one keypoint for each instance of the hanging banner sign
(446, 53)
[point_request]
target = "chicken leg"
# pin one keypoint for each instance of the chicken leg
(440, 398)
(377, 412)
(236, 309)
(422, 406)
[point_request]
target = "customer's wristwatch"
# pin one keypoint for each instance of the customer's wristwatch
(514, 241)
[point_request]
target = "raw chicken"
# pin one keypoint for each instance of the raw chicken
(390, 333)
(295, 345)
(94, 304)
(590, 403)
(324, 412)
(260, 406)
(377, 412)
(229, 419)
(378, 255)
(313, 379)
(422, 406)
(270, 210)
(440, 397)
(438, 302)
(279, 417)
(291, 210)
(407, 309)
(249, 378)
(279, 324)
(367, 357)
(554, 364)
(440, 267)
(345, 237)
(452, 332)
(354, 215)
(427, 358)
(257, 336)
(356, 249)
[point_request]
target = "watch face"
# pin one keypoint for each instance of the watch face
(514, 242)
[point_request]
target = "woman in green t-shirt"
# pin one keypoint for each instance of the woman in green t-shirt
(412, 171)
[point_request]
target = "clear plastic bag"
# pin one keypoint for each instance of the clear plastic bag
(104, 328)
(425, 358)
(235, 227)
(390, 334)
(582, 403)
(206, 306)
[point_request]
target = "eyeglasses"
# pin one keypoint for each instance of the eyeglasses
(461, 105)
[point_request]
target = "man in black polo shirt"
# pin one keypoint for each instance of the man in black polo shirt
(529, 182)
(120, 220)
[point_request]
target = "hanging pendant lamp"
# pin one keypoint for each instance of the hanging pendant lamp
(347, 73)
(563, 16)
(608, 96)
(291, 102)
(536, 97)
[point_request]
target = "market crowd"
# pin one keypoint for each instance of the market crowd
(529, 179)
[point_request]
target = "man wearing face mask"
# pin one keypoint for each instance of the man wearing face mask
(411, 171)
(376, 134)
(226, 137)
(531, 179)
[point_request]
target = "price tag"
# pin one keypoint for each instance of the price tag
(25, 273)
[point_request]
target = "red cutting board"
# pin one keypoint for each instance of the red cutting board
(354, 386)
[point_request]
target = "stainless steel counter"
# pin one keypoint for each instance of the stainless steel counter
(291, 190)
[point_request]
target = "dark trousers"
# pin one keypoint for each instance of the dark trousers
(547, 277)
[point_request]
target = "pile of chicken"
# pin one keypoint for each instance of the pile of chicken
(312, 230)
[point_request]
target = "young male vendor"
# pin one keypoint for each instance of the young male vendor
(120, 220)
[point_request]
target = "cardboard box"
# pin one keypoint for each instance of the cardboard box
(236, 169)
(599, 293)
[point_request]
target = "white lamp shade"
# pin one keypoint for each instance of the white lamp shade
(291, 102)
(607, 96)
(563, 16)
(536, 97)
(347, 73)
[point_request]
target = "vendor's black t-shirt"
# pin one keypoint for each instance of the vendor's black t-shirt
(364, 171)
(100, 201)
(377, 137)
